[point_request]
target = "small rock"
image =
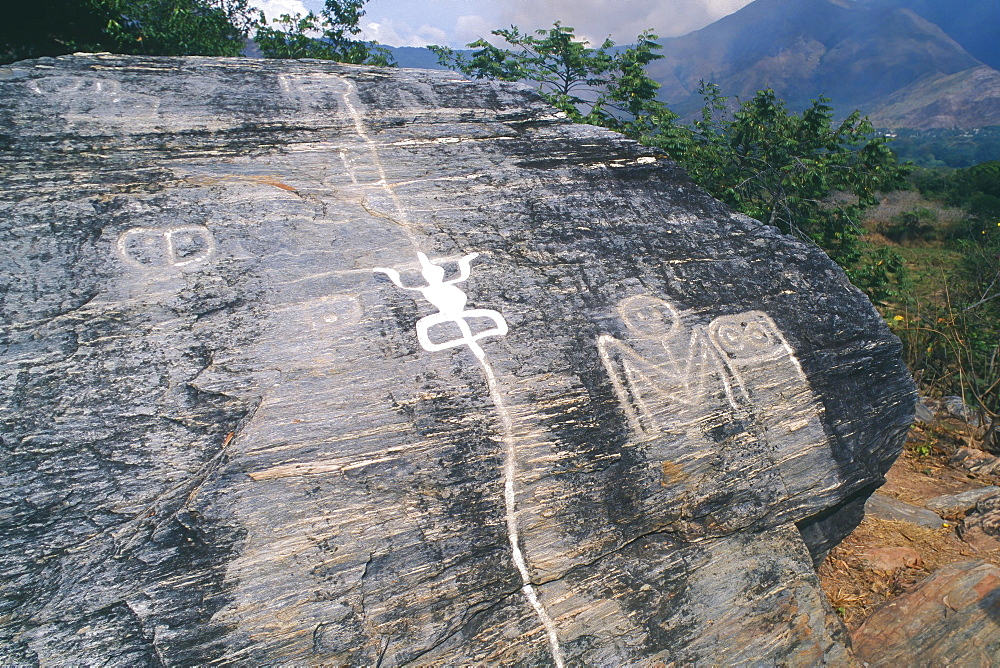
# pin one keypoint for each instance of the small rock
(886, 508)
(953, 505)
(924, 411)
(956, 408)
(986, 517)
(889, 559)
(949, 619)
(975, 461)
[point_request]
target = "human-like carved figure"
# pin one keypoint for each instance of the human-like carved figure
(767, 376)
(735, 353)
(660, 375)
(450, 302)
(715, 404)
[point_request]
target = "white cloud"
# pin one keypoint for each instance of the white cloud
(719, 8)
(274, 8)
(398, 33)
(458, 22)
(625, 19)
(471, 28)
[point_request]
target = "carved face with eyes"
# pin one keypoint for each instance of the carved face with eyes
(747, 336)
(649, 317)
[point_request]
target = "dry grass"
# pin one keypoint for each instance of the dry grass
(855, 589)
(892, 205)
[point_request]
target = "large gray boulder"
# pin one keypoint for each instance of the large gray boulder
(306, 363)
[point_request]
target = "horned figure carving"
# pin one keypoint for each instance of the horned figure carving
(450, 302)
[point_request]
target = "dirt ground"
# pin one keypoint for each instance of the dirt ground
(855, 580)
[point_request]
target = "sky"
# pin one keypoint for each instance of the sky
(455, 23)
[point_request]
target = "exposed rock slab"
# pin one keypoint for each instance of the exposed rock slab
(982, 525)
(950, 619)
(975, 461)
(887, 508)
(956, 505)
(304, 363)
(889, 559)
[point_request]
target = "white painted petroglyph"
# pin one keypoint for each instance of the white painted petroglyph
(750, 337)
(398, 215)
(347, 166)
(166, 247)
(108, 89)
(450, 302)
(666, 375)
(767, 374)
(83, 99)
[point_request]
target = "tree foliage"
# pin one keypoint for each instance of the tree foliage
(154, 27)
(178, 27)
(328, 36)
(605, 86)
(784, 169)
(184, 27)
(32, 30)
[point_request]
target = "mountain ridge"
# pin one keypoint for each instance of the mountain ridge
(906, 63)
(855, 53)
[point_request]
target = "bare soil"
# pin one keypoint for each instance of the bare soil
(852, 580)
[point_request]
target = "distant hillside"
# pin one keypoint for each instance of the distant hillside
(415, 56)
(967, 99)
(907, 63)
(974, 24)
(855, 53)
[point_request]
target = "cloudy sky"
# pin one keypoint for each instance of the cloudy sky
(458, 22)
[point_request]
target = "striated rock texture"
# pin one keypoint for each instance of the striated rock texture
(951, 618)
(306, 363)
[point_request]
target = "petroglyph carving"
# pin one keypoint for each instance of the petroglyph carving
(716, 405)
(748, 336)
(109, 89)
(748, 340)
(663, 370)
(167, 247)
(767, 376)
(84, 98)
(683, 387)
(450, 302)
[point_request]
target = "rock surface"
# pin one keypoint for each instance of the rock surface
(975, 461)
(889, 559)
(305, 363)
(984, 520)
(950, 619)
(956, 505)
(888, 508)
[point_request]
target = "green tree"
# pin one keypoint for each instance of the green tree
(155, 27)
(784, 169)
(776, 166)
(329, 36)
(179, 27)
(606, 86)
(32, 30)
(977, 189)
